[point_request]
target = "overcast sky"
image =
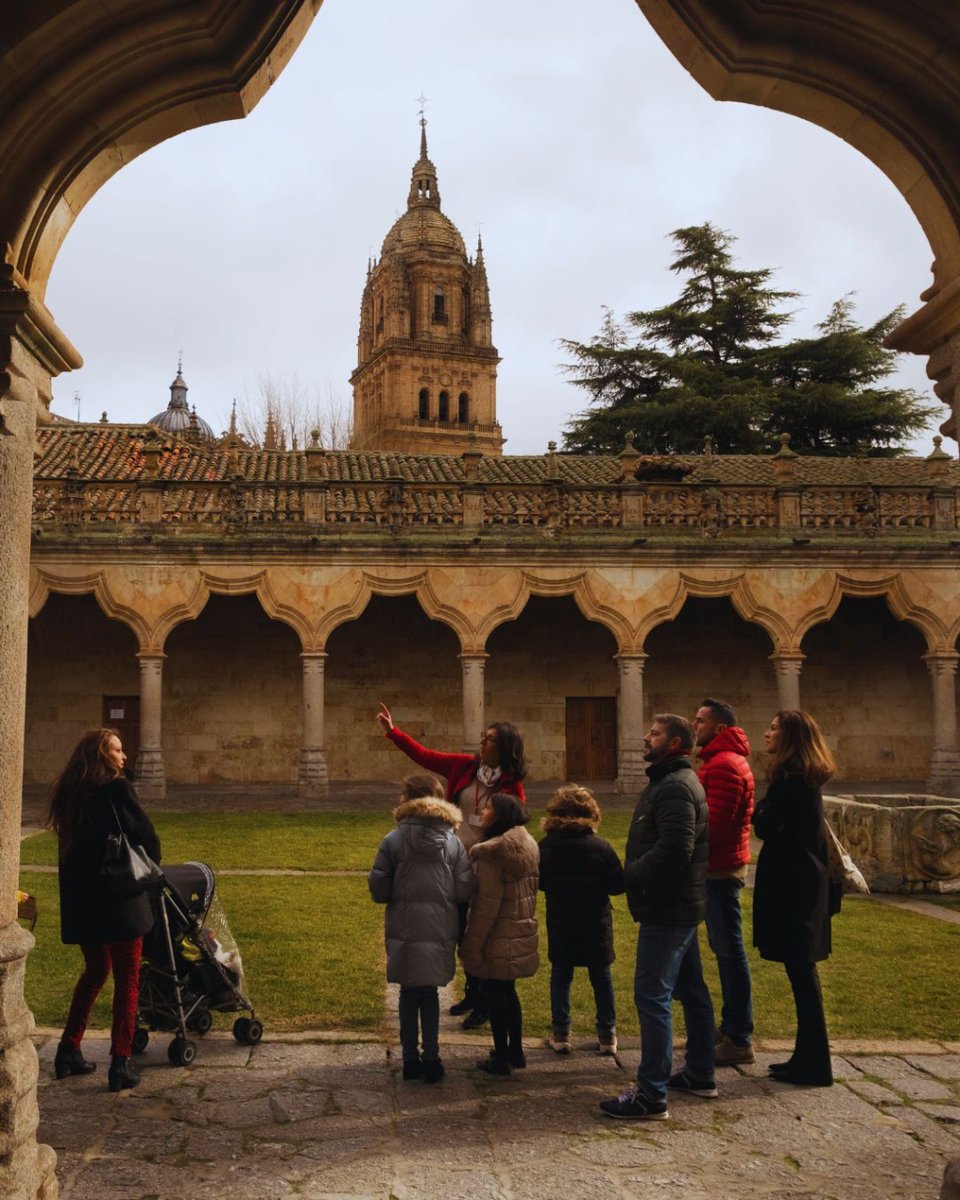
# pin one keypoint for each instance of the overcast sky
(565, 131)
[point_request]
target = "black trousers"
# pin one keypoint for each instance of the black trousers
(811, 1055)
(475, 987)
(506, 1017)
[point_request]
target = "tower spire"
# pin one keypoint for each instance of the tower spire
(423, 183)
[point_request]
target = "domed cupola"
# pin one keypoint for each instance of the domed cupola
(177, 418)
(426, 375)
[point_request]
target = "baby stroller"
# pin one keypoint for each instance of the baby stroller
(191, 966)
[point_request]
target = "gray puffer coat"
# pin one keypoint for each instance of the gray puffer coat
(422, 873)
(500, 941)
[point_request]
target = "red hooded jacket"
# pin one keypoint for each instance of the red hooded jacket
(728, 782)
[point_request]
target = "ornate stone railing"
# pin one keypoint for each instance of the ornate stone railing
(656, 509)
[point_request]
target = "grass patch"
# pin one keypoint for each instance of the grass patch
(313, 948)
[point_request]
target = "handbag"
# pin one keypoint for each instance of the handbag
(128, 869)
(843, 870)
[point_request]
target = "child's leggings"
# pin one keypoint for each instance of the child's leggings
(124, 958)
(419, 1017)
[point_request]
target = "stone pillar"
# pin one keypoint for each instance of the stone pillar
(32, 349)
(151, 776)
(474, 716)
(788, 664)
(312, 777)
(631, 766)
(944, 776)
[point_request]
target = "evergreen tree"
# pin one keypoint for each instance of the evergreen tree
(710, 363)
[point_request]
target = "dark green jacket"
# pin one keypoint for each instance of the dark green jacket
(668, 848)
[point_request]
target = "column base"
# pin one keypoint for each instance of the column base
(944, 773)
(26, 1168)
(312, 780)
(632, 778)
(150, 775)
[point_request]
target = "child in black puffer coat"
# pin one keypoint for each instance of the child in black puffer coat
(579, 872)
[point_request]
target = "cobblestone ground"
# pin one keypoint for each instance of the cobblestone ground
(330, 1121)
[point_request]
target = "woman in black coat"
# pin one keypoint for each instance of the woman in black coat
(87, 803)
(791, 902)
(579, 872)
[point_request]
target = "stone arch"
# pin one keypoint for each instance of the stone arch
(893, 589)
(43, 583)
(735, 586)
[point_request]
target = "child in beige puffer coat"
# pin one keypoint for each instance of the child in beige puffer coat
(500, 942)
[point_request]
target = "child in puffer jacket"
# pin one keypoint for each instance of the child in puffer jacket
(421, 873)
(579, 872)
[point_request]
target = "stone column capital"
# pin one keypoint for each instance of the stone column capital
(942, 662)
(473, 656)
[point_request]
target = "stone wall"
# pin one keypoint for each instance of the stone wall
(865, 680)
(75, 656)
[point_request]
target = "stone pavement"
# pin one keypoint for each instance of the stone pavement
(333, 1120)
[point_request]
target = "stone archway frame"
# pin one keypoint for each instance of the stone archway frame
(900, 595)
(79, 583)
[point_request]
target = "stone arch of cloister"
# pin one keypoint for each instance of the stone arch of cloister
(87, 86)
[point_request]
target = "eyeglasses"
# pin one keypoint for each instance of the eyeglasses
(487, 737)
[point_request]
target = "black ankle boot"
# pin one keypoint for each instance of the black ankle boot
(123, 1074)
(71, 1062)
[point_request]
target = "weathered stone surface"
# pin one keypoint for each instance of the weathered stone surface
(904, 1078)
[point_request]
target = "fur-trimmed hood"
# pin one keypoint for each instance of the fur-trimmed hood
(427, 808)
(572, 826)
(514, 852)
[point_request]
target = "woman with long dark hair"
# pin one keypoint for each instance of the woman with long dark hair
(498, 766)
(791, 901)
(90, 800)
(500, 942)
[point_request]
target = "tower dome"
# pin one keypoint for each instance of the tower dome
(177, 417)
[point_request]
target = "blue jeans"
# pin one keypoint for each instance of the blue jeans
(419, 1017)
(561, 976)
(725, 932)
(668, 968)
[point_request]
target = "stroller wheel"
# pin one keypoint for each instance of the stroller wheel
(181, 1052)
(248, 1031)
(202, 1022)
(141, 1039)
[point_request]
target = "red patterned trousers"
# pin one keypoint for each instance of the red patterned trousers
(124, 958)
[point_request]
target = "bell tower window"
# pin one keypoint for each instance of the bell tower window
(424, 411)
(439, 307)
(463, 408)
(444, 413)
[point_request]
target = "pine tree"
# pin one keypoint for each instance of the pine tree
(710, 363)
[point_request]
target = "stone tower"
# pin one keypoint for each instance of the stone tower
(426, 377)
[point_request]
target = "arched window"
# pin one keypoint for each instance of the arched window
(424, 404)
(439, 306)
(380, 316)
(463, 408)
(444, 413)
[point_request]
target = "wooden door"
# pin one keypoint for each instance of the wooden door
(122, 713)
(591, 737)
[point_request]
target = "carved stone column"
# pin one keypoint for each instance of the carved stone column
(474, 718)
(32, 350)
(312, 777)
(788, 664)
(631, 766)
(151, 775)
(944, 776)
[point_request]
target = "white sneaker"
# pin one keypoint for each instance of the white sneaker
(607, 1045)
(559, 1043)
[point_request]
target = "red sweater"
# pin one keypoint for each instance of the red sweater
(728, 782)
(458, 770)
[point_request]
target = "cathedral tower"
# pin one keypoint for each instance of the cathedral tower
(426, 377)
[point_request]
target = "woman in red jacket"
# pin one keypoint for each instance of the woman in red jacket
(498, 766)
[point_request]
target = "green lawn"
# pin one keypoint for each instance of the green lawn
(313, 947)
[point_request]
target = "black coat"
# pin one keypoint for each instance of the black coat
(668, 847)
(791, 916)
(89, 912)
(579, 872)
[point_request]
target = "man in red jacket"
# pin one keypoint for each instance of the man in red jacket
(728, 783)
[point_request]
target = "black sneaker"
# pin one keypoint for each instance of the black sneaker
(432, 1070)
(476, 1019)
(462, 1006)
(681, 1082)
(412, 1069)
(633, 1105)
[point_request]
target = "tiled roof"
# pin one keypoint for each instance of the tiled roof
(114, 453)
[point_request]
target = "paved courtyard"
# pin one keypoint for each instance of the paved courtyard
(328, 1120)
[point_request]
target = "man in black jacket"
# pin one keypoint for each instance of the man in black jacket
(666, 869)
